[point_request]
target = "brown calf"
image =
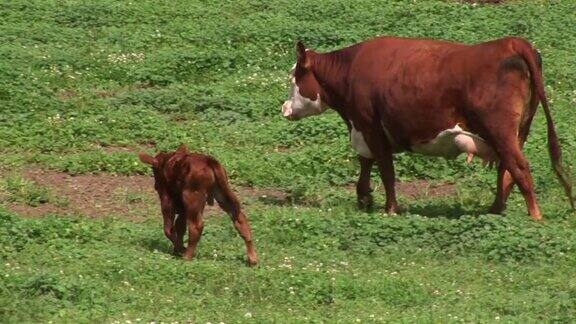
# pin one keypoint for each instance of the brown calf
(185, 182)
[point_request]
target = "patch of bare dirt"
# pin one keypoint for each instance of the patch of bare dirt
(483, 1)
(92, 195)
(38, 211)
(423, 189)
(419, 189)
(134, 197)
(105, 94)
(65, 95)
(101, 195)
(110, 149)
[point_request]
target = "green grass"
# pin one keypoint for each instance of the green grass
(19, 190)
(315, 266)
(77, 78)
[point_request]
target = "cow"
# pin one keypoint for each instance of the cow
(185, 182)
(436, 98)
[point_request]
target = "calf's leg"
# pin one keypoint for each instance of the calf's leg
(230, 204)
(180, 230)
(169, 213)
(194, 202)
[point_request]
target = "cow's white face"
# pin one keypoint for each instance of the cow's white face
(298, 106)
(305, 97)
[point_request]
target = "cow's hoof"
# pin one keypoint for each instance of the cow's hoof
(393, 210)
(366, 203)
(497, 209)
(178, 252)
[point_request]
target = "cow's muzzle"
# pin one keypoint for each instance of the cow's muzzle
(287, 110)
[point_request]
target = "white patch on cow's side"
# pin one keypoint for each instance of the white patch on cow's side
(358, 143)
(298, 106)
(452, 142)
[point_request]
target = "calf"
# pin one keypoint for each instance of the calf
(185, 182)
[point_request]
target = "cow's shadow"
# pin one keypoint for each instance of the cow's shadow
(436, 209)
(446, 210)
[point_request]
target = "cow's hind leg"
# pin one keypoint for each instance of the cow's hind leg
(505, 182)
(503, 125)
(230, 204)
(194, 202)
(363, 189)
(504, 186)
(514, 161)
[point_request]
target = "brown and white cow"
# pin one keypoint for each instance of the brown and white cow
(185, 182)
(431, 97)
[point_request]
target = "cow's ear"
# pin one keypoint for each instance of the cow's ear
(147, 159)
(301, 54)
(300, 50)
(182, 148)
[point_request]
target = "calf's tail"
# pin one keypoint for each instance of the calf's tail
(534, 62)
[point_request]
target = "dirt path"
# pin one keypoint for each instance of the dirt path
(100, 195)
(133, 197)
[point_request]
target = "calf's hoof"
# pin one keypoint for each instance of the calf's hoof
(187, 256)
(252, 262)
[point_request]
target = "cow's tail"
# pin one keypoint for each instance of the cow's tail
(224, 194)
(532, 58)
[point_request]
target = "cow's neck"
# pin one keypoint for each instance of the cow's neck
(331, 71)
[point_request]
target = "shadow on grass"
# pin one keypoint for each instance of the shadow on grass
(161, 245)
(276, 201)
(434, 209)
(445, 209)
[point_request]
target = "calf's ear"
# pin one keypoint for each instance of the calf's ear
(147, 159)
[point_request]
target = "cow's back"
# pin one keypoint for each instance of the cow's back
(421, 87)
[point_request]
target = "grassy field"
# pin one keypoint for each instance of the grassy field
(84, 86)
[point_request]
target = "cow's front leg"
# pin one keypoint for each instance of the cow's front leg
(386, 166)
(382, 152)
(363, 189)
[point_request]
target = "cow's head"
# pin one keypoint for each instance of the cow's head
(305, 99)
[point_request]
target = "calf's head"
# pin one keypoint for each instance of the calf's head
(159, 166)
(305, 91)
